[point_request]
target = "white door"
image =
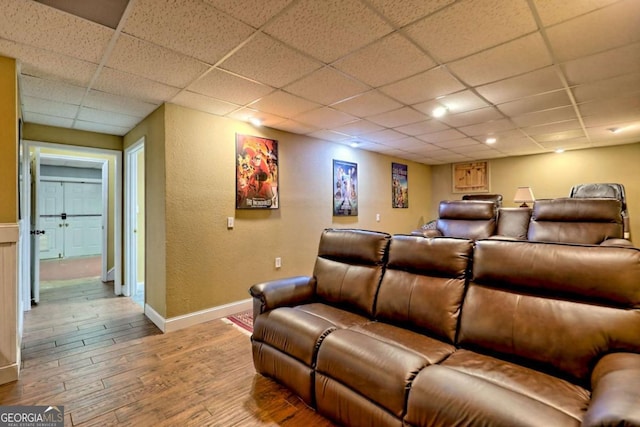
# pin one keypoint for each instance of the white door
(51, 205)
(36, 231)
(83, 223)
(134, 220)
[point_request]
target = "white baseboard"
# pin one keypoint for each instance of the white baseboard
(186, 320)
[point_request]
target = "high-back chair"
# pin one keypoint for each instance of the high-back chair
(467, 219)
(606, 190)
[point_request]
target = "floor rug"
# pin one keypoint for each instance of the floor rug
(244, 320)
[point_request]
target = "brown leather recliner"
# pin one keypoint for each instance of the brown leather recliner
(574, 220)
(466, 219)
(606, 190)
(495, 198)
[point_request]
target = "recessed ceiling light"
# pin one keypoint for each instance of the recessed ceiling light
(559, 150)
(490, 140)
(439, 111)
(615, 130)
(354, 144)
(255, 121)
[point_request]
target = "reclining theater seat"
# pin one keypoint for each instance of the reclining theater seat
(292, 316)
(466, 219)
(613, 191)
(569, 220)
(548, 336)
(364, 373)
(495, 198)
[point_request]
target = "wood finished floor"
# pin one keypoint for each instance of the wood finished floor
(100, 357)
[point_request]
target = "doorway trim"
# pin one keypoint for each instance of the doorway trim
(116, 213)
(130, 213)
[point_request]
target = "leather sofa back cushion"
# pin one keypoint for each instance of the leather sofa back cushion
(588, 221)
(537, 301)
(467, 209)
(467, 219)
(349, 267)
(423, 285)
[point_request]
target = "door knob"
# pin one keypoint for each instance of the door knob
(66, 224)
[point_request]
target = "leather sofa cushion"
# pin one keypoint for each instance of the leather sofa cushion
(293, 332)
(340, 318)
(377, 370)
(424, 284)
(442, 396)
(467, 209)
(349, 268)
(514, 222)
(521, 291)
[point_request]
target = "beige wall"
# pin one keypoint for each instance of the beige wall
(553, 175)
(8, 141)
(152, 129)
(65, 136)
(208, 265)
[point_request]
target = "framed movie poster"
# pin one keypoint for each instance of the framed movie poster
(345, 188)
(399, 186)
(256, 172)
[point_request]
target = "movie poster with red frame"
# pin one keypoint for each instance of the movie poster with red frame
(256, 172)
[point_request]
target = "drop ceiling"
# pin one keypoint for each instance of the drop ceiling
(536, 75)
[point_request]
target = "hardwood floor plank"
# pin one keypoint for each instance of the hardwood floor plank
(108, 365)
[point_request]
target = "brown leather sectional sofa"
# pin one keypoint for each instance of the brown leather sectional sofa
(415, 331)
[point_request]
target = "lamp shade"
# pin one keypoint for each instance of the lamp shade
(524, 195)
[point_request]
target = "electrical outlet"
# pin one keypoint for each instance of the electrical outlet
(278, 262)
(230, 222)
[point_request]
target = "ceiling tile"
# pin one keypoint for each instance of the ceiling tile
(553, 12)
(229, 87)
(192, 27)
(359, 128)
(406, 143)
(326, 86)
(420, 128)
(472, 117)
(49, 107)
(119, 104)
(516, 57)
(325, 117)
(438, 137)
(44, 27)
(123, 84)
(254, 12)
(48, 65)
(399, 117)
(367, 104)
(153, 62)
(446, 34)
(492, 127)
(612, 63)
(428, 85)
(546, 101)
(459, 144)
(108, 13)
(284, 104)
(107, 117)
(269, 61)
(100, 128)
(204, 103)
(547, 116)
(53, 90)
(384, 61)
(43, 119)
(425, 149)
(296, 127)
(384, 136)
(328, 30)
(329, 135)
(461, 102)
(244, 114)
(607, 28)
(555, 131)
(403, 12)
(610, 88)
(535, 82)
(611, 111)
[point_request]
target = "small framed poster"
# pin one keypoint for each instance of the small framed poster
(472, 177)
(256, 172)
(399, 186)
(345, 188)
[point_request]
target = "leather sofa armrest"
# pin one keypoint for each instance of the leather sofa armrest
(616, 242)
(615, 397)
(281, 292)
(426, 232)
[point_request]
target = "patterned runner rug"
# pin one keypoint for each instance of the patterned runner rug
(243, 320)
